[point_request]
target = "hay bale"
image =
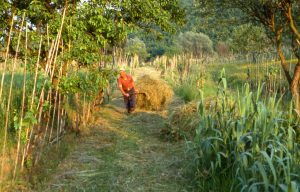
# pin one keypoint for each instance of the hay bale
(153, 94)
(182, 122)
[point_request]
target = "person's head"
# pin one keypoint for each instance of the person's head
(122, 72)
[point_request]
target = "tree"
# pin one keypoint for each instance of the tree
(280, 18)
(222, 49)
(137, 47)
(91, 25)
(211, 19)
(251, 39)
(197, 44)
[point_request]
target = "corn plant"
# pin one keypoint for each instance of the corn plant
(248, 143)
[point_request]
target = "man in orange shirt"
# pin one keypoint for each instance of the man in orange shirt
(128, 90)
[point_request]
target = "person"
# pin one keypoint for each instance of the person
(127, 87)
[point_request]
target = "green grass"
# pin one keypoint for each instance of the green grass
(250, 140)
(122, 153)
(237, 74)
(246, 143)
(187, 92)
(15, 104)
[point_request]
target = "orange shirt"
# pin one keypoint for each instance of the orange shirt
(127, 83)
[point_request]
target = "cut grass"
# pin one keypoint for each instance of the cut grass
(122, 153)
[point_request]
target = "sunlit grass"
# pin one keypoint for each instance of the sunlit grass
(247, 143)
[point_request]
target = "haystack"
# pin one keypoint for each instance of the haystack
(153, 94)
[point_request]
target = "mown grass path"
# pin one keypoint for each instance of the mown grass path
(122, 153)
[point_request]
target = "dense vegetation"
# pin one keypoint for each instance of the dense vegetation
(57, 58)
(238, 60)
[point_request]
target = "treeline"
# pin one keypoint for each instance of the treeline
(230, 31)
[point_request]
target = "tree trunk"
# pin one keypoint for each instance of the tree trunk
(295, 85)
(284, 64)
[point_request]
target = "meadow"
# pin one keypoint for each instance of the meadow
(247, 138)
(234, 67)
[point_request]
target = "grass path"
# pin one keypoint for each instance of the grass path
(122, 153)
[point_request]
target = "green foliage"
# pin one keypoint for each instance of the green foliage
(245, 143)
(137, 47)
(87, 82)
(158, 45)
(212, 19)
(28, 121)
(89, 26)
(249, 39)
(197, 44)
(187, 92)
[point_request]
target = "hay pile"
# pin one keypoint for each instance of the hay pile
(153, 94)
(182, 122)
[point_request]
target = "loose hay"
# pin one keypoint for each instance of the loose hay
(153, 94)
(182, 122)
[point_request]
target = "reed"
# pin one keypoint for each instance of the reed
(23, 106)
(248, 143)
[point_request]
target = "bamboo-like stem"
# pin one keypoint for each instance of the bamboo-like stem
(9, 100)
(89, 111)
(6, 57)
(53, 115)
(47, 71)
(36, 75)
(56, 92)
(58, 117)
(55, 97)
(31, 105)
(55, 50)
(49, 97)
(23, 105)
(41, 102)
(48, 38)
(54, 63)
(50, 55)
(39, 125)
(83, 109)
(62, 122)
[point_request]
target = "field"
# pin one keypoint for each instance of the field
(247, 130)
(213, 103)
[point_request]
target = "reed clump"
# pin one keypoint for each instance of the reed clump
(250, 140)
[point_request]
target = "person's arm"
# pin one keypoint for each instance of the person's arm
(133, 84)
(121, 89)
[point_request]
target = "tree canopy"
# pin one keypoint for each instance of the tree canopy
(90, 25)
(198, 44)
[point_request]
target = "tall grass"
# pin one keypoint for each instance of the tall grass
(188, 74)
(246, 143)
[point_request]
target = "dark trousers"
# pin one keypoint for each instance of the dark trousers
(130, 101)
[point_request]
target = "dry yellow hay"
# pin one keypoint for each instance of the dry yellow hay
(153, 94)
(182, 122)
